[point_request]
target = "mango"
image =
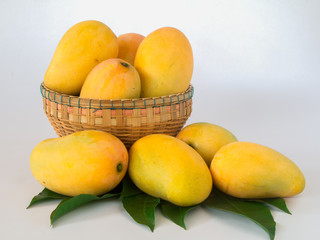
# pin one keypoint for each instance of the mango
(166, 167)
(250, 170)
(206, 138)
(164, 61)
(81, 48)
(112, 79)
(87, 162)
(128, 46)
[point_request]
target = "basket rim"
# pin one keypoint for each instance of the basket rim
(137, 103)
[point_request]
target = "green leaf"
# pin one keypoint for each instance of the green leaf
(276, 202)
(141, 208)
(175, 213)
(255, 211)
(69, 204)
(128, 188)
(46, 194)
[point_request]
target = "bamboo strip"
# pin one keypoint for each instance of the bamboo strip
(127, 119)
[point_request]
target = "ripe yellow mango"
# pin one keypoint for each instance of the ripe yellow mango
(166, 167)
(87, 162)
(206, 138)
(112, 79)
(81, 48)
(250, 170)
(128, 46)
(164, 61)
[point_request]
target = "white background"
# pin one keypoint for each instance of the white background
(256, 73)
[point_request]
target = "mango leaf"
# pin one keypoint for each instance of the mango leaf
(175, 213)
(69, 204)
(128, 188)
(140, 206)
(46, 194)
(276, 202)
(255, 211)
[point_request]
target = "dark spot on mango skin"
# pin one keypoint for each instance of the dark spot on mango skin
(119, 167)
(124, 64)
(191, 145)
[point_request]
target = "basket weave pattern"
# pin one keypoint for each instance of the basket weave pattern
(128, 119)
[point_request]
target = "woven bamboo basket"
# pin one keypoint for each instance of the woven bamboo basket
(127, 119)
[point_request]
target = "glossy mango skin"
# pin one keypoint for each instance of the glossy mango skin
(81, 48)
(128, 46)
(165, 167)
(112, 79)
(206, 138)
(87, 162)
(250, 170)
(164, 61)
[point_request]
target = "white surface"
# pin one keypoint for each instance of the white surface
(256, 73)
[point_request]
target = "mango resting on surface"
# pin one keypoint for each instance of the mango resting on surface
(250, 170)
(166, 167)
(164, 61)
(206, 138)
(81, 48)
(87, 162)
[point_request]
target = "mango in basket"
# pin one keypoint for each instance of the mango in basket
(81, 48)
(128, 46)
(166, 167)
(112, 79)
(206, 138)
(164, 61)
(250, 170)
(87, 162)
